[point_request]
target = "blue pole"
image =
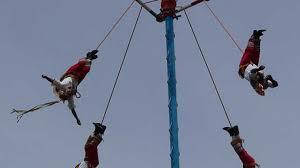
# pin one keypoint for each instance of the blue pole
(172, 93)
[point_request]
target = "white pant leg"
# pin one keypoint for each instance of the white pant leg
(270, 84)
(83, 165)
(63, 85)
(248, 74)
(68, 81)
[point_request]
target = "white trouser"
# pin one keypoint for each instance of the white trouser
(84, 165)
(248, 75)
(67, 83)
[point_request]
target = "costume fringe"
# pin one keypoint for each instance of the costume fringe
(20, 113)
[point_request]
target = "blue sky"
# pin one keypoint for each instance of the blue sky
(45, 37)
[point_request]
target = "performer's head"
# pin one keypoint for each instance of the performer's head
(69, 91)
(260, 89)
(67, 94)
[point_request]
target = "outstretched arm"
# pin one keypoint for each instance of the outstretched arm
(47, 78)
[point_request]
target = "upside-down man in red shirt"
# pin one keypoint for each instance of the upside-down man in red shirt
(66, 87)
(237, 144)
(91, 159)
(249, 68)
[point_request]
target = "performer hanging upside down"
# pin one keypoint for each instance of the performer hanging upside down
(66, 87)
(249, 69)
(91, 159)
(237, 144)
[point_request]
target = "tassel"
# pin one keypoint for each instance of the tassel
(20, 113)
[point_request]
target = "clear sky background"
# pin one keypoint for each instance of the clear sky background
(39, 36)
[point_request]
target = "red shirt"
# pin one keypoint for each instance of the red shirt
(80, 69)
(91, 151)
(246, 158)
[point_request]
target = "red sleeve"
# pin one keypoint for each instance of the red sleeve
(246, 158)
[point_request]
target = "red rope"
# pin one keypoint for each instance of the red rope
(114, 26)
(223, 26)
